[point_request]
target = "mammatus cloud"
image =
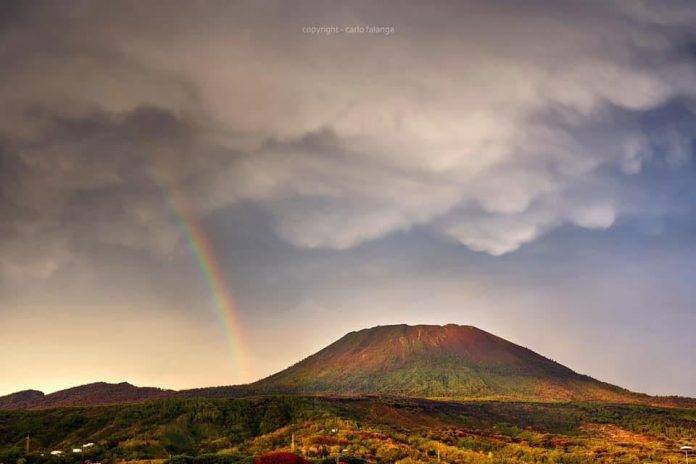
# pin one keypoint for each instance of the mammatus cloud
(488, 125)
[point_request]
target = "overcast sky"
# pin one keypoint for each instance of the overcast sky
(524, 167)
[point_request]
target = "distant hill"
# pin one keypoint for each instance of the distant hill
(423, 361)
(21, 400)
(431, 361)
(93, 394)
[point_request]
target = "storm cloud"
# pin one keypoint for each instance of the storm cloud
(492, 129)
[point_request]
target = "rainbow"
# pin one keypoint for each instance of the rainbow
(203, 251)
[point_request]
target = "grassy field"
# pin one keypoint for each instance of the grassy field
(368, 429)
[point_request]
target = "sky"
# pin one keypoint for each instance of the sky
(203, 193)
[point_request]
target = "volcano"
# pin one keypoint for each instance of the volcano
(431, 361)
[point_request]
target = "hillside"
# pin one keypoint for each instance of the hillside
(363, 430)
(432, 361)
(21, 400)
(93, 394)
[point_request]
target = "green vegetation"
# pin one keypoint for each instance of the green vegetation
(427, 361)
(365, 429)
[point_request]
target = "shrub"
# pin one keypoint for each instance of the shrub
(181, 459)
(342, 459)
(216, 459)
(351, 460)
(280, 458)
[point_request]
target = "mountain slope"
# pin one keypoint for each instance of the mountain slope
(425, 361)
(93, 394)
(436, 361)
(21, 400)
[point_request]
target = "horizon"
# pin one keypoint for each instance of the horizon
(165, 388)
(203, 194)
(116, 382)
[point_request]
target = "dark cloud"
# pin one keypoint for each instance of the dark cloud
(97, 97)
(88, 178)
(232, 106)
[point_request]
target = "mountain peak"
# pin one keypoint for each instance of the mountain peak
(444, 361)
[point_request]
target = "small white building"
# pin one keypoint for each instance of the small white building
(56, 453)
(77, 450)
(88, 445)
